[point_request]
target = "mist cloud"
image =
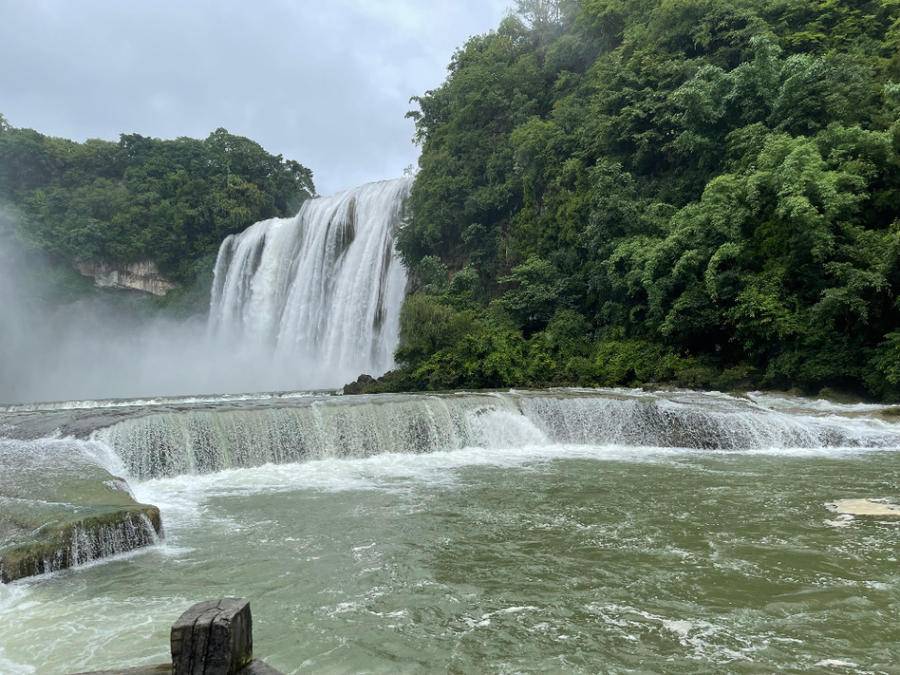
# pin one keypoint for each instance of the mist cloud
(116, 344)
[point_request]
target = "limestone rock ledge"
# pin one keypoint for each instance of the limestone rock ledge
(59, 507)
(60, 545)
(140, 276)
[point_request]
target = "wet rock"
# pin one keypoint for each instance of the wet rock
(362, 385)
(60, 508)
(67, 543)
(876, 508)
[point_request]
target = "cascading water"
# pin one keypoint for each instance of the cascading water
(209, 439)
(321, 291)
(62, 504)
(689, 530)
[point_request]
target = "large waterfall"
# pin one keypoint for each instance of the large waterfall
(320, 292)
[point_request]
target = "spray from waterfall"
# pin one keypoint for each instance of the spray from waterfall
(299, 303)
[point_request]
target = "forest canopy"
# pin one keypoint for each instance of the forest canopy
(168, 201)
(697, 192)
(611, 192)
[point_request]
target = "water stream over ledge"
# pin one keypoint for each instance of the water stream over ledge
(523, 531)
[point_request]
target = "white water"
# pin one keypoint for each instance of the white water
(94, 404)
(209, 439)
(327, 505)
(326, 583)
(321, 290)
(190, 450)
(50, 482)
(311, 301)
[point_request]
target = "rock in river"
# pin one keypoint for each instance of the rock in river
(61, 507)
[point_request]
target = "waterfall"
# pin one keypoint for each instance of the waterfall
(211, 438)
(320, 292)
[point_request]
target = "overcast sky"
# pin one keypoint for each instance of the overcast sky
(326, 83)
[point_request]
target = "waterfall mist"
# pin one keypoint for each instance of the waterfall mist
(301, 303)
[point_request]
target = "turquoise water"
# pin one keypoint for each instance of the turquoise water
(542, 558)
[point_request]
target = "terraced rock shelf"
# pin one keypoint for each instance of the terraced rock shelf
(60, 507)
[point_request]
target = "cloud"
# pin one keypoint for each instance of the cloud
(324, 83)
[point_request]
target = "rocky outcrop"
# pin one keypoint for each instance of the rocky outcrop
(68, 543)
(363, 385)
(140, 276)
(60, 508)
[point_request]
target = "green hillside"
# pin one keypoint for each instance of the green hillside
(695, 192)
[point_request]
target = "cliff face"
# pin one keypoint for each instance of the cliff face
(140, 276)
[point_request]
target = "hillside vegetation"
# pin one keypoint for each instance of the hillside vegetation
(168, 201)
(696, 192)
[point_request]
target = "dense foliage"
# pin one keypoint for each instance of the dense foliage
(171, 202)
(700, 192)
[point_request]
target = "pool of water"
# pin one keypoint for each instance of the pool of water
(550, 558)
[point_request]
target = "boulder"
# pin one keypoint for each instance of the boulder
(59, 507)
(361, 386)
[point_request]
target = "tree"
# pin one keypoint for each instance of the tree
(711, 186)
(171, 202)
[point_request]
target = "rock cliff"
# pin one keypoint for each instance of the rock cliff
(140, 276)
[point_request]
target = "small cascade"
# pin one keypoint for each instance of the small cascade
(211, 439)
(711, 425)
(60, 507)
(64, 501)
(204, 441)
(85, 543)
(321, 292)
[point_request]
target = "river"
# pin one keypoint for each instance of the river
(518, 539)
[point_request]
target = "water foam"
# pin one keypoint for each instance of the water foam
(157, 401)
(198, 441)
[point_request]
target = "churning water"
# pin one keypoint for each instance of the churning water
(563, 531)
(571, 530)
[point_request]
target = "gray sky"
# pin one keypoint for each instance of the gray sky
(326, 83)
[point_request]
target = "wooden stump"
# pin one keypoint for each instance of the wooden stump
(213, 638)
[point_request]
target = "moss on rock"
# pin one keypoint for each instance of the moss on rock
(60, 507)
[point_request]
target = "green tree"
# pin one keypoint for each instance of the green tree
(694, 191)
(171, 202)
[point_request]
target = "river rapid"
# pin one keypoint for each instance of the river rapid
(564, 531)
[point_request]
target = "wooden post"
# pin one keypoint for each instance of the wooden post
(213, 638)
